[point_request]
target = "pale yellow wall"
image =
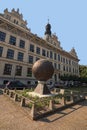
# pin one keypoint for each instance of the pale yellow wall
(26, 52)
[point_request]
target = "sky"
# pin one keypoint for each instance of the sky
(68, 19)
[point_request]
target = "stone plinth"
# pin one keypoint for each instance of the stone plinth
(34, 94)
(42, 71)
(42, 88)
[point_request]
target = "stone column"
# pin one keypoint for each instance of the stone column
(63, 101)
(22, 102)
(51, 105)
(11, 94)
(33, 111)
(7, 92)
(71, 96)
(15, 97)
(42, 88)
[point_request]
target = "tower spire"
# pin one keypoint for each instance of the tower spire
(48, 20)
(48, 29)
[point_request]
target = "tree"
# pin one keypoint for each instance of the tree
(83, 71)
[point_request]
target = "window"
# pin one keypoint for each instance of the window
(55, 56)
(55, 66)
(69, 69)
(64, 68)
(55, 77)
(20, 56)
(63, 60)
(7, 69)
(31, 48)
(51, 54)
(66, 61)
(8, 17)
(59, 66)
(58, 57)
(15, 21)
(73, 70)
(47, 53)
(2, 36)
(18, 70)
(22, 44)
(38, 50)
(69, 62)
(31, 59)
(1, 50)
(10, 54)
(43, 52)
(29, 72)
(12, 40)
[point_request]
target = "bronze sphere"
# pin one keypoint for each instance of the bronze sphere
(43, 70)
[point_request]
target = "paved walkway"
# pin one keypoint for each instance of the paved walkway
(13, 117)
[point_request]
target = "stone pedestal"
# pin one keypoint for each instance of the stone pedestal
(42, 88)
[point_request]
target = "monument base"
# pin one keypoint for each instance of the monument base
(42, 88)
(34, 94)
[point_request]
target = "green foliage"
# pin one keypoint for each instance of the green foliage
(69, 77)
(30, 105)
(56, 101)
(83, 71)
(39, 105)
(82, 75)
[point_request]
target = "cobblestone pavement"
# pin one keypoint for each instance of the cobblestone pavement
(13, 117)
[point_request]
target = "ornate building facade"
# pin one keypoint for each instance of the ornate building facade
(20, 48)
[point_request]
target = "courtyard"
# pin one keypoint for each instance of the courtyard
(13, 117)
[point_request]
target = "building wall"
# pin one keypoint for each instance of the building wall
(63, 65)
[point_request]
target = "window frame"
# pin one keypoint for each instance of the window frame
(2, 36)
(31, 47)
(10, 54)
(18, 70)
(20, 56)
(22, 44)
(31, 58)
(1, 51)
(12, 40)
(29, 72)
(38, 50)
(7, 69)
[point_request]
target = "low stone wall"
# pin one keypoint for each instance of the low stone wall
(43, 107)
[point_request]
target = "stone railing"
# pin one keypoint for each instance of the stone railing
(43, 106)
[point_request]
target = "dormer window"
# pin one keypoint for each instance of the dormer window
(15, 17)
(8, 17)
(15, 21)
